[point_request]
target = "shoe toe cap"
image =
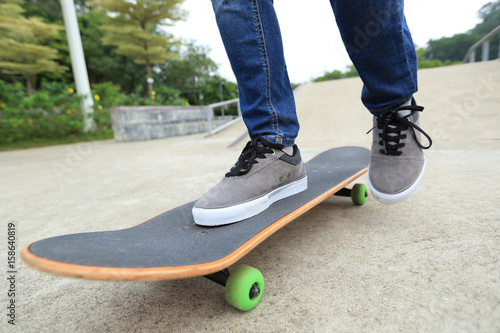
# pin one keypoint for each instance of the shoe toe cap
(393, 176)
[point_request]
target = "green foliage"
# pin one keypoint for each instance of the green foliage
(48, 10)
(50, 112)
(217, 89)
(425, 62)
(109, 95)
(53, 111)
(336, 74)
(450, 48)
(454, 48)
(23, 44)
(133, 28)
(190, 72)
(103, 64)
(490, 14)
(11, 93)
(165, 95)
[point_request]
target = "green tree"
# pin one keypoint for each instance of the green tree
(133, 28)
(454, 48)
(50, 10)
(103, 64)
(450, 48)
(425, 62)
(490, 14)
(190, 72)
(23, 44)
(336, 74)
(217, 89)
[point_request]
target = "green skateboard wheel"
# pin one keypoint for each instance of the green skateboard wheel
(244, 288)
(359, 193)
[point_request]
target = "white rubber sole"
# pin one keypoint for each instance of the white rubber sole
(398, 197)
(221, 216)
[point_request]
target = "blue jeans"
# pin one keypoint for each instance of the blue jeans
(375, 35)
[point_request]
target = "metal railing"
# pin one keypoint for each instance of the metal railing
(210, 116)
(485, 43)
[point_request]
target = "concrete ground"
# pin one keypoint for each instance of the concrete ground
(430, 264)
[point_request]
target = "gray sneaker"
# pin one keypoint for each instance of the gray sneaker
(397, 162)
(263, 174)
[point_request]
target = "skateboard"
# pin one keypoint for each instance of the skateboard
(171, 246)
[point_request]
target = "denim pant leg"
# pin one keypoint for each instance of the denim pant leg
(252, 38)
(380, 46)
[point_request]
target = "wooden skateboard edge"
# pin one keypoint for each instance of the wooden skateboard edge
(173, 273)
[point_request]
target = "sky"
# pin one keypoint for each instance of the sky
(311, 39)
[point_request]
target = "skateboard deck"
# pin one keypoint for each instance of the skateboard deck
(171, 246)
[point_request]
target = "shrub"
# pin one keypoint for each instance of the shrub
(53, 111)
(50, 112)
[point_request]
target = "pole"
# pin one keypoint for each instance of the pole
(485, 51)
(78, 62)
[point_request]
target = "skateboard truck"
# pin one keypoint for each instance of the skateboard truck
(222, 277)
(219, 277)
(358, 193)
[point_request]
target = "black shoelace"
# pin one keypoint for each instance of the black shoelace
(256, 148)
(392, 124)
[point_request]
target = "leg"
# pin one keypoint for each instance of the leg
(380, 46)
(252, 38)
(269, 168)
(379, 43)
